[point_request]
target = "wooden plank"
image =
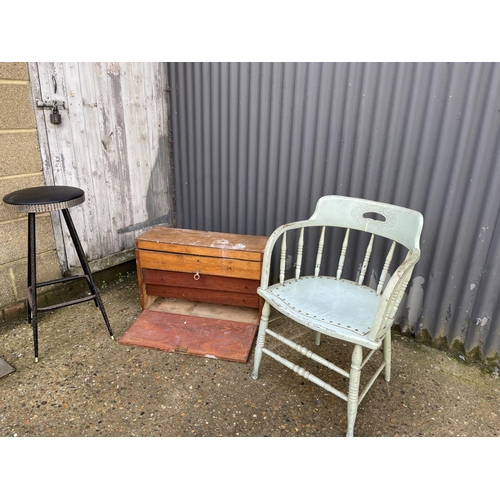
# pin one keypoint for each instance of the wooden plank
(206, 310)
(190, 242)
(194, 335)
(145, 299)
(144, 108)
(203, 265)
(212, 296)
(113, 188)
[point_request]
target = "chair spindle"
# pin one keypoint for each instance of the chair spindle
(283, 259)
(343, 254)
(385, 269)
(300, 249)
(364, 267)
(319, 255)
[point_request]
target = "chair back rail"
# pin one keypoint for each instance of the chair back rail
(395, 223)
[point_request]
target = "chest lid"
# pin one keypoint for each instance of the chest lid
(191, 242)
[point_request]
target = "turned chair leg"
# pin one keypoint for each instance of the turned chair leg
(387, 356)
(261, 337)
(352, 397)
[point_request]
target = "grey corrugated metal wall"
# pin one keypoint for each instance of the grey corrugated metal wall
(256, 144)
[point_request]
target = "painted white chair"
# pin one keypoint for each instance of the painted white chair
(331, 305)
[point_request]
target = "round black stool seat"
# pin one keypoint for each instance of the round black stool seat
(45, 198)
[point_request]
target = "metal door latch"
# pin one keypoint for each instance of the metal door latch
(55, 116)
(48, 103)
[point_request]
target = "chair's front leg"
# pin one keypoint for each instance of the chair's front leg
(261, 337)
(352, 397)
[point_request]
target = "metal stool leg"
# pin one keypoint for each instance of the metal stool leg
(28, 306)
(86, 267)
(32, 296)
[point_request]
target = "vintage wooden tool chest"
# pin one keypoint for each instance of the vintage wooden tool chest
(198, 292)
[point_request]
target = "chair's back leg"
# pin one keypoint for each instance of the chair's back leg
(318, 338)
(387, 356)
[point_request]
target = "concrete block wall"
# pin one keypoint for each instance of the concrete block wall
(20, 167)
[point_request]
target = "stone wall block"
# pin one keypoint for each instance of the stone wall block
(19, 153)
(16, 108)
(14, 71)
(47, 268)
(15, 238)
(13, 277)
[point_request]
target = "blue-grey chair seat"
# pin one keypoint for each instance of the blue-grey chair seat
(338, 308)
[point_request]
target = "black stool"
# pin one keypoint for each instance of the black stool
(45, 199)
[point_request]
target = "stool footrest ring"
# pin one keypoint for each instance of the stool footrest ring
(64, 304)
(62, 280)
(61, 304)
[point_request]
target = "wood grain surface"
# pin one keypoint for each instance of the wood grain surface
(191, 242)
(194, 335)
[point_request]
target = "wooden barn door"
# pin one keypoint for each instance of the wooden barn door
(112, 141)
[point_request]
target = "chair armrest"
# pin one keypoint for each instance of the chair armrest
(393, 294)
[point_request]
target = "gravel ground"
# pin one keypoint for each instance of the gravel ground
(85, 384)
